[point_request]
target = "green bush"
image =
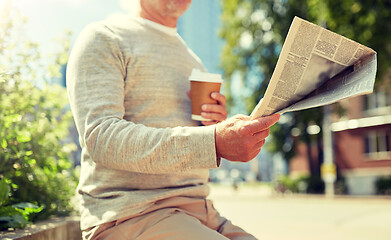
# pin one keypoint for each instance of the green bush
(303, 184)
(383, 185)
(36, 174)
(15, 215)
(34, 161)
(287, 184)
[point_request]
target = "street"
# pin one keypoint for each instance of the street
(304, 217)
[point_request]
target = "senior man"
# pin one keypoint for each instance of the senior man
(144, 167)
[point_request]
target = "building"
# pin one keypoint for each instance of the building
(199, 28)
(361, 144)
(362, 147)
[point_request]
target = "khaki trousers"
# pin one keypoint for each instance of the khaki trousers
(173, 218)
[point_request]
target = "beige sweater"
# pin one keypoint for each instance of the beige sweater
(127, 83)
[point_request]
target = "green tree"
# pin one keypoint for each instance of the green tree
(254, 31)
(36, 175)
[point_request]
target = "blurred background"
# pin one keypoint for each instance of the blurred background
(313, 159)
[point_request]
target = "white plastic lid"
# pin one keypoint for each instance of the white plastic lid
(198, 75)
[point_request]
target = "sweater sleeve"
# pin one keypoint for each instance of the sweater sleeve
(95, 83)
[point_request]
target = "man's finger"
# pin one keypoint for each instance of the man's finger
(259, 145)
(263, 123)
(213, 116)
(261, 135)
(213, 108)
(219, 97)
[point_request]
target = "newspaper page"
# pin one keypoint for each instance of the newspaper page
(316, 67)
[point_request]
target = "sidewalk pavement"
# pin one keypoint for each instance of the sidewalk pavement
(300, 217)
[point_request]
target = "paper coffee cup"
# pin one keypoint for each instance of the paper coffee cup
(202, 84)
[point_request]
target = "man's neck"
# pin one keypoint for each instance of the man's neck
(168, 21)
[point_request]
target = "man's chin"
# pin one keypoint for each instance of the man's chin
(178, 7)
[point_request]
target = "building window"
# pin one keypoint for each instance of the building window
(377, 145)
(377, 103)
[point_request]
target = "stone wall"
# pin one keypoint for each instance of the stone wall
(67, 228)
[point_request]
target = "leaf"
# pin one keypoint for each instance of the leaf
(28, 207)
(24, 205)
(24, 137)
(9, 211)
(4, 191)
(28, 153)
(13, 221)
(4, 144)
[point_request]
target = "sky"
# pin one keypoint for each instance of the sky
(47, 19)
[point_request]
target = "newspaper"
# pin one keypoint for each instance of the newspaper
(317, 67)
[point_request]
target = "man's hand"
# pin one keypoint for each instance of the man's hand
(240, 139)
(216, 112)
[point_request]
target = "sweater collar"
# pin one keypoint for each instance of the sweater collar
(168, 30)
